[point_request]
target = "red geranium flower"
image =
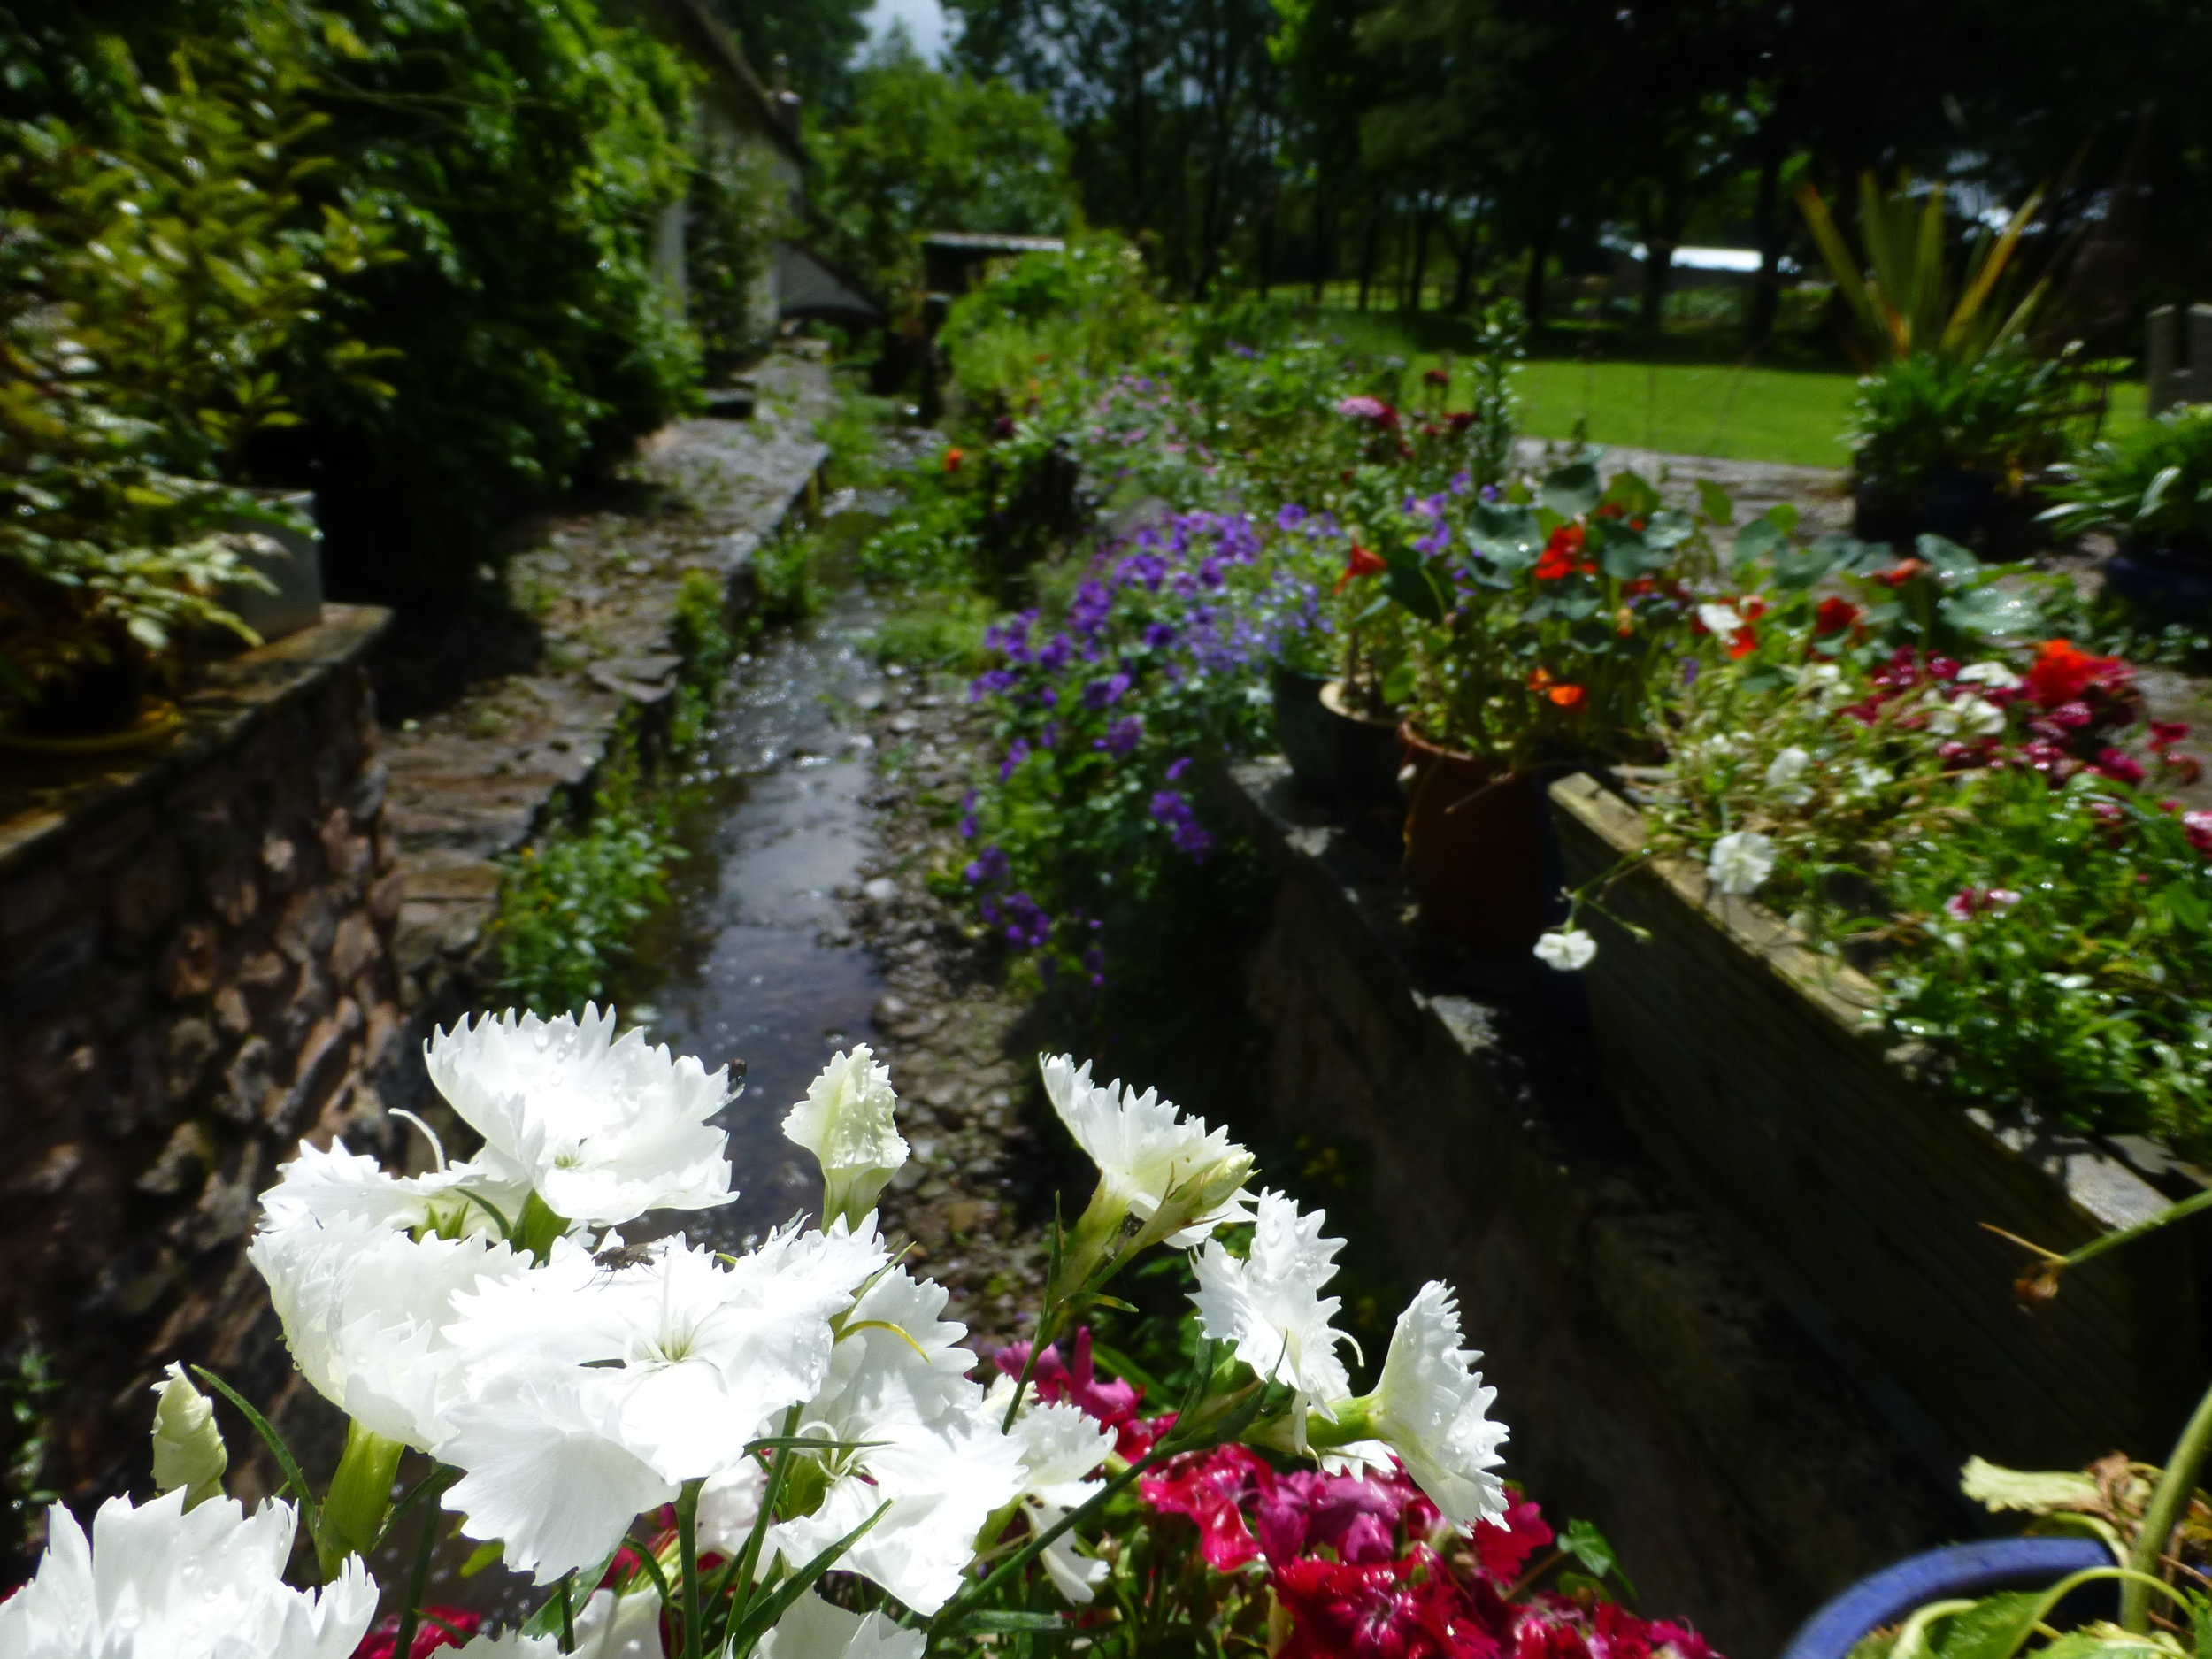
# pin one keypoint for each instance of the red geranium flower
(2063, 672)
(953, 457)
(1361, 563)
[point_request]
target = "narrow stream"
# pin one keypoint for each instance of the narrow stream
(752, 962)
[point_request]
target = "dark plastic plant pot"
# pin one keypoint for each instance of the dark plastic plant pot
(1961, 507)
(1301, 725)
(2174, 581)
(1957, 506)
(1960, 1572)
(1336, 756)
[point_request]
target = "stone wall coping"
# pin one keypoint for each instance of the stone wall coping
(2116, 1180)
(43, 800)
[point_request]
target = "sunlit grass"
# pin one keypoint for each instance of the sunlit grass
(1687, 392)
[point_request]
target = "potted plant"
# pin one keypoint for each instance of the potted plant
(1944, 446)
(1536, 645)
(2153, 489)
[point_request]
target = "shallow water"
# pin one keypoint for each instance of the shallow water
(752, 962)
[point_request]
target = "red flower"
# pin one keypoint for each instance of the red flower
(429, 1637)
(2198, 827)
(1566, 696)
(1460, 419)
(953, 457)
(1437, 377)
(1361, 563)
(2063, 673)
(1898, 574)
(1561, 554)
(1835, 615)
(1206, 1486)
(2166, 733)
(1504, 1546)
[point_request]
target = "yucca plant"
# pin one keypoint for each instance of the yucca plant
(1903, 293)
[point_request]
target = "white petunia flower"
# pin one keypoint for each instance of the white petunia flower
(1144, 1151)
(1786, 777)
(1270, 1306)
(602, 1131)
(364, 1308)
(547, 1473)
(814, 1629)
(846, 1121)
(1569, 949)
(1432, 1407)
(1996, 676)
(610, 1627)
(1967, 716)
(1739, 861)
(157, 1582)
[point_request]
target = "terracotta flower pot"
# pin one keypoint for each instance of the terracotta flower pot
(1475, 845)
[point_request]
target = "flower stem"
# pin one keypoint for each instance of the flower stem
(410, 1608)
(358, 1498)
(687, 1561)
(2168, 1499)
(568, 1613)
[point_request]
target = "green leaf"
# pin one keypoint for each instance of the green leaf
(1668, 529)
(1796, 569)
(1994, 1628)
(2037, 1492)
(1713, 501)
(1508, 537)
(482, 1556)
(1783, 516)
(309, 1512)
(764, 1611)
(1397, 689)
(1952, 562)
(988, 1619)
(1572, 491)
(1756, 541)
(1991, 610)
(1415, 588)
(1588, 1545)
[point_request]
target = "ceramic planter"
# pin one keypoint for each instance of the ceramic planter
(1475, 845)
(1748, 1065)
(292, 560)
(1336, 756)
(1960, 1572)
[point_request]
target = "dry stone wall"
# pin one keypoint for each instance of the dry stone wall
(196, 969)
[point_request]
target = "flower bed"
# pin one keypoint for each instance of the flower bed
(1747, 1062)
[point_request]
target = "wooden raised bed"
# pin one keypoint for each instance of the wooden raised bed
(1746, 1064)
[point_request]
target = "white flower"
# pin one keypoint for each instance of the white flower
(1739, 861)
(362, 1309)
(188, 1449)
(326, 1188)
(1867, 778)
(1270, 1306)
(610, 1627)
(1431, 1409)
(602, 1131)
(904, 1422)
(1721, 620)
(1786, 777)
(814, 1629)
(1145, 1150)
(847, 1122)
(512, 1644)
(1996, 676)
(688, 1354)
(1967, 716)
(1568, 950)
(1061, 1448)
(729, 1503)
(155, 1582)
(547, 1473)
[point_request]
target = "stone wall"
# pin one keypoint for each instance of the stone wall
(195, 961)
(1652, 1384)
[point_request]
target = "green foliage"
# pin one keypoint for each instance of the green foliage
(569, 904)
(28, 1385)
(942, 628)
(735, 215)
(1922, 414)
(924, 151)
(2154, 486)
(1053, 322)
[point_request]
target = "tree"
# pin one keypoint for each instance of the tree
(811, 40)
(925, 150)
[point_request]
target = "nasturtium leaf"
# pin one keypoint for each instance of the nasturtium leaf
(1952, 562)
(1575, 607)
(1668, 528)
(1755, 542)
(1572, 491)
(1507, 536)
(1415, 588)
(1398, 685)
(1713, 501)
(1991, 610)
(1796, 569)
(1540, 609)
(1632, 493)
(1783, 516)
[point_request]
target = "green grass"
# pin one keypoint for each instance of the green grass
(1685, 392)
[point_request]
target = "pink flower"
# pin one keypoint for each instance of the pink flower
(2119, 765)
(1968, 902)
(1206, 1486)
(2198, 826)
(1504, 1546)
(1108, 1399)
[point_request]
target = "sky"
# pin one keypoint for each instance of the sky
(925, 20)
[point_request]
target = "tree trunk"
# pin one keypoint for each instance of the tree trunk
(1539, 241)
(1766, 224)
(1324, 246)
(1462, 248)
(1421, 253)
(1368, 250)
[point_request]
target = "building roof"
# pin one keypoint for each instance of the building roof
(751, 104)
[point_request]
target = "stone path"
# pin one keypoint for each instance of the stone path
(473, 782)
(1822, 495)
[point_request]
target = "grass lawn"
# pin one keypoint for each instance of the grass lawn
(1687, 392)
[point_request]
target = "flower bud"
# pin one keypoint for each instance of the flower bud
(188, 1450)
(1197, 1201)
(846, 1121)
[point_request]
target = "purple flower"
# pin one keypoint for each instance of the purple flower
(1103, 693)
(1121, 737)
(1291, 516)
(1159, 635)
(1434, 542)
(1170, 807)
(988, 865)
(1176, 770)
(994, 683)
(1017, 752)
(1462, 482)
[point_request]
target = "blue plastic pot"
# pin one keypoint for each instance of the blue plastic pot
(2173, 583)
(1940, 1574)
